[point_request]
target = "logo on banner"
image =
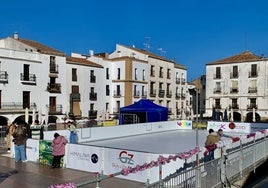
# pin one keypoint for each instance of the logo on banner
(94, 158)
(125, 157)
(184, 123)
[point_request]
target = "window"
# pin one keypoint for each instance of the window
(92, 76)
(161, 72)
(253, 70)
(118, 73)
(26, 75)
(74, 75)
(107, 90)
(234, 88)
(143, 75)
(136, 76)
(152, 70)
(234, 104)
(107, 74)
(235, 72)
(217, 103)
(218, 72)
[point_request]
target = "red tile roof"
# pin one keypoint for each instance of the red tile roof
(81, 61)
(239, 58)
(41, 48)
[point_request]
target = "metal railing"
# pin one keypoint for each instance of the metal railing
(232, 166)
(235, 165)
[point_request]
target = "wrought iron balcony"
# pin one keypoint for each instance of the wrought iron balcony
(28, 78)
(54, 69)
(252, 90)
(54, 109)
(3, 77)
(75, 96)
(54, 88)
(92, 114)
(93, 96)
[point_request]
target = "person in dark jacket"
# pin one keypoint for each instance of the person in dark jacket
(19, 143)
(58, 149)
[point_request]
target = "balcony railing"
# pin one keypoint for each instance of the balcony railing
(217, 76)
(251, 106)
(3, 77)
(233, 75)
(28, 78)
(93, 96)
(217, 90)
(178, 96)
(152, 93)
(178, 81)
(54, 88)
(183, 81)
(92, 79)
(169, 93)
(15, 106)
(234, 106)
(252, 90)
(152, 73)
(161, 93)
(75, 96)
(92, 114)
(54, 69)
(233, 90)
(117, 93)
(144, 94)
(136, 94)
(217, 106)
(54, 109)
(252, 74)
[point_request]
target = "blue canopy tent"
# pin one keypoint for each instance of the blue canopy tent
(142, 111)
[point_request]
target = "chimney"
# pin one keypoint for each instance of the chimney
(16, 35)
(91, 52)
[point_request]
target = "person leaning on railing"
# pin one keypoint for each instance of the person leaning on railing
(221, 134)
(210, 144)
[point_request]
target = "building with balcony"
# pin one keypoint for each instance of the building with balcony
(238, 84)
(32, 76)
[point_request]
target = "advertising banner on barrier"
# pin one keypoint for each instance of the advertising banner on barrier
(82, 157)
(32, 150)
(45, 152)
(232, 127)
(116, 160)
(185, 124)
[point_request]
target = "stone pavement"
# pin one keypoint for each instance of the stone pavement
(34, 175)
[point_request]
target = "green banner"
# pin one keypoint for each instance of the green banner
(45, 152)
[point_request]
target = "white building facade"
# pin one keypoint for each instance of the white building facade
(239, 86)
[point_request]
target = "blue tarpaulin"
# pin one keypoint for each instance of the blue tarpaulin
(145, 110)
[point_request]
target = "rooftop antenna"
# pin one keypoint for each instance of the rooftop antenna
(147, 43)
(162, 52)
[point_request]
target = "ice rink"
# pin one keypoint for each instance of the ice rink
(169, 142)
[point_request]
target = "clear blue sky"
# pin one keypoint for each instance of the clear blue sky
(193, 32)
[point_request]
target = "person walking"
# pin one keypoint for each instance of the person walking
(58, 149)
(19, 139)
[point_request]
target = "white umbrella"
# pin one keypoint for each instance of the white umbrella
(254, 116)
(231, 115)
(107, 114)
(46, 116)
(33, 117)
(40, 118)
(26, 115)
